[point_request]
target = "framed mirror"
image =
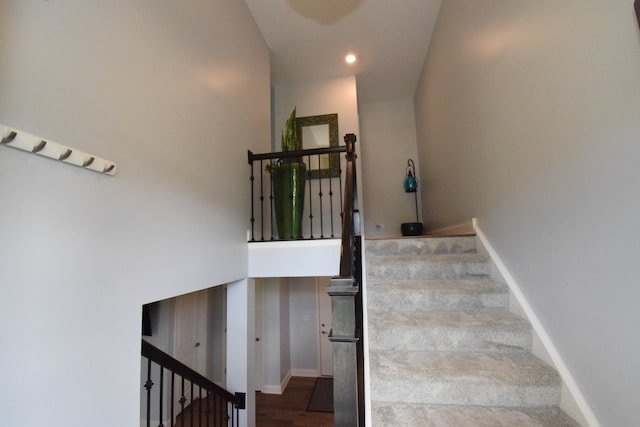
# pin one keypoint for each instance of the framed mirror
(320, 132)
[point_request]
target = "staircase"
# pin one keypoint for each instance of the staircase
(444, 350)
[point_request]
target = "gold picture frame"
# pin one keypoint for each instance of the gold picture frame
(320, 132)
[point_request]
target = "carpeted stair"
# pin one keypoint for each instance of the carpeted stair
(443, 348)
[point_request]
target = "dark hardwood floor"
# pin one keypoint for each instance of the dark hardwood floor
(290, 408)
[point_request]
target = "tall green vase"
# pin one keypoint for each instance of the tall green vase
(288, 197)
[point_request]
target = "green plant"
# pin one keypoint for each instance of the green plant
(288, 176)
(288, 141)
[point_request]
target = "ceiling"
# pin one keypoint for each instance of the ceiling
(309, 39)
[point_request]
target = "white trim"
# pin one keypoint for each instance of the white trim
(464, 228)
(271, 389)
(285, 381)
(291, 258)
(277, 389)
(368, 419)
(314, 373)
(563, 370)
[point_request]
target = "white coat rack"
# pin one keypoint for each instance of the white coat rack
(34, 144)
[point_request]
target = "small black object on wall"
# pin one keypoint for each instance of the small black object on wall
(636, 6)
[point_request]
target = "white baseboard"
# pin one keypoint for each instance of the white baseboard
(464, 228)
(305, 373)
(276, 389)
(572, 400)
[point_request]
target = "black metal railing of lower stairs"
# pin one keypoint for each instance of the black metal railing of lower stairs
(323, 194)
(347, 308)
(175, 395)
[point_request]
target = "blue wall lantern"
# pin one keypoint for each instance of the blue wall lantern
(411, 186)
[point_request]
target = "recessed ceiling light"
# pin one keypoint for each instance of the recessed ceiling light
(351, 58)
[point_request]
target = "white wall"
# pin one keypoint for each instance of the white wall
(389, 140)
(276, 359)
(527, 118)
(291, 258)
(175, 93)
(312, 98)
(285, 331)
(303, 321)
(290, 330)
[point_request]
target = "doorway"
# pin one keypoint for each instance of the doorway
(325, 322)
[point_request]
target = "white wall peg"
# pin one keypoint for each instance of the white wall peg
(33, 144)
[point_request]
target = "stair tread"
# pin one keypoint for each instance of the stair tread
(490, 331)
(424, 267)
(386, 414)
(445, 285)
(422, 245)
(505, 368)
(454, 319)
(444, 257)
(428, 295)
(480, 379)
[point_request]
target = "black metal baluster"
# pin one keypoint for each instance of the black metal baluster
(261, 202)
(224, 412)
(310, 198)
(208, 408)
(271, 200)
(341, 207)
(191, 405)
(252, 179)
(291, 195)
(331, 203)
(148, 385)
(173, 397)
(199, 406)
(320, 200)
(161, 393)
(183, 399)
(221, 411)
(215, 410)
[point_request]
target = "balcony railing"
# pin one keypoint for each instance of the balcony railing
(323, 194)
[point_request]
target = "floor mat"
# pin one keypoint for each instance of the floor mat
(321, 399)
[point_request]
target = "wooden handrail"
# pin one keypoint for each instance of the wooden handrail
(350, 209)
(346, 308)
(165, 360)
(292, 154)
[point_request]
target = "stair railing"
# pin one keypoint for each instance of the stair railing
(346, 308)
(183, 397)
(323, 194)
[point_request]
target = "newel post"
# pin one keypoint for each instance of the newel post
(343, 335)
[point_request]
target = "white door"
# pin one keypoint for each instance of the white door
(324, 314)
(217, 321)
(259, 379)
(190, 335)
(190, 326)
